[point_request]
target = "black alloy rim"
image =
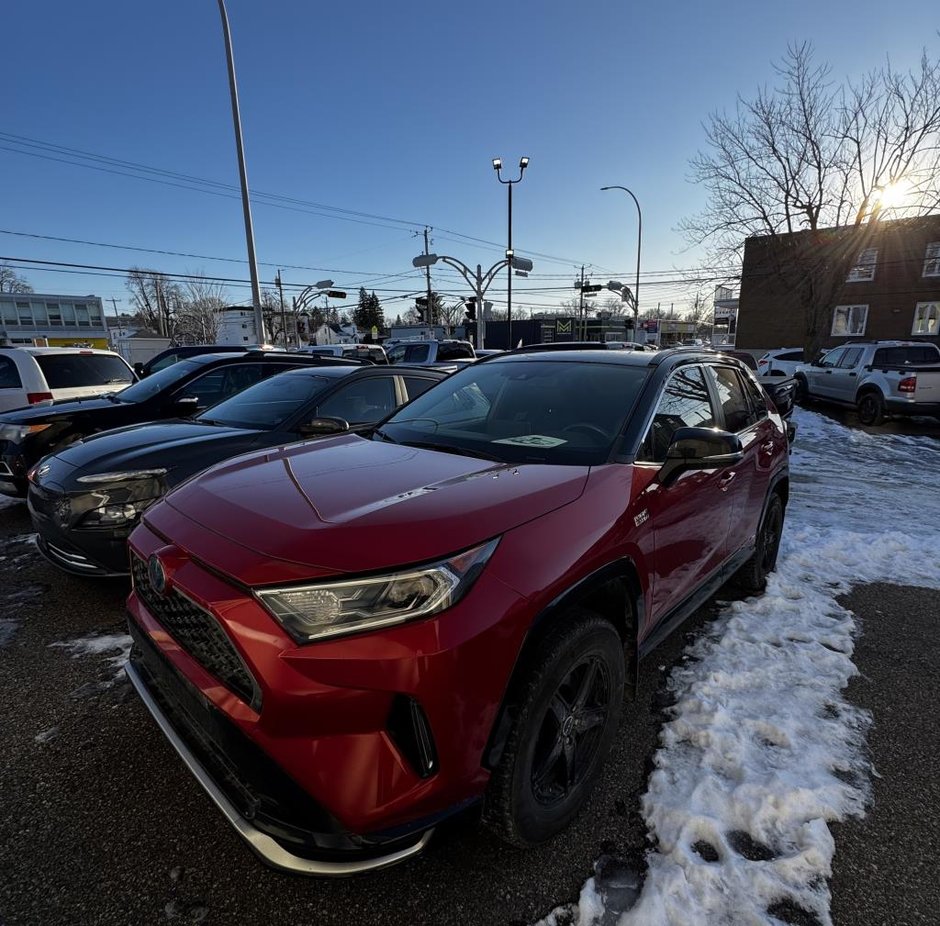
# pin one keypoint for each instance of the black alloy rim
(571, 731)
(869, 408)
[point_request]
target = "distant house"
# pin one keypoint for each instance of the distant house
(330, 333)
(237, 326)
(880, 280)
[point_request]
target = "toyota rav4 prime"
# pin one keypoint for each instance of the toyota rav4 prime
(349, 642)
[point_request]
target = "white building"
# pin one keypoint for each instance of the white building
(336, 334)
(237, 326)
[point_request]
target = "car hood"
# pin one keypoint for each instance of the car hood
(35, 414)
(352, 505)
(185, 446)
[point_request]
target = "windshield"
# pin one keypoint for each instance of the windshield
(268, 404)
(544, 411)
(147, 388)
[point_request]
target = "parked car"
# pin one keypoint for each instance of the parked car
(780, 386)
(785, 359)
(178, 391)
(374, 353)
(86, 499)
(879, 378)
(173, 355)
(42, 375)
(349, 642)
(428, 352)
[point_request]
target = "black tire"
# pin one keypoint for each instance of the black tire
(752, 577)
(567, 711)
(801, 395)
(871, 408)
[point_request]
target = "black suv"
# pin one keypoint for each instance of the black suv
(178, 391)
(87, 499)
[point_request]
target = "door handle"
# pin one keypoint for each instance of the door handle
(853, 374)
(767, 447)
(725, 481)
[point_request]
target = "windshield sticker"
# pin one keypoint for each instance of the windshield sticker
(531, 440)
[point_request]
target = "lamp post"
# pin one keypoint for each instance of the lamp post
(243, 176)
(479, 281)
(308, 294)
(639, 242)
(498, 166)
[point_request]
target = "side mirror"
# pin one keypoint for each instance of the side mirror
(699, 448)
(186, 405)
(139, 369)
(319, 426)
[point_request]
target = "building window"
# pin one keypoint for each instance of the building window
(8, 313)
(81, 313)
(849, 320)
(25, 313)
(55, 313)
(932, 260)
(927, 318)
(68, 314)
(864, 268)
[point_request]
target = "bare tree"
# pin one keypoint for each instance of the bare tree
(198, 315)
(807, 156)
(155, 297)
(12, 282)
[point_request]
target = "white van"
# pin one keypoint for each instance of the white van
(41, 375)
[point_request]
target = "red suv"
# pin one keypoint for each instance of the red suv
(349, 642)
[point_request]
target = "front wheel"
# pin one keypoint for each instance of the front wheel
(802, 390)
(871, 408)
(567, 715)
(752, 577)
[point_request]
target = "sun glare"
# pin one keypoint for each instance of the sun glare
(893, 194)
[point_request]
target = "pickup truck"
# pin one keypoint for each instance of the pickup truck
(879, 378)
(430, 353)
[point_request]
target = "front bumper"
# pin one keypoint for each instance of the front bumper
(175, 709)
(97, 553)
(329, 720)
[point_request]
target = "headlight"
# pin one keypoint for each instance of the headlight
(328, 609)
(117, 515)
(15, 433)
(104, 478)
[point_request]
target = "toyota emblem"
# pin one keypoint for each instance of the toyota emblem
(157, 574)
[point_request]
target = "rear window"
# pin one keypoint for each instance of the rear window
(9, 375)
(893, 356)
(71, 371)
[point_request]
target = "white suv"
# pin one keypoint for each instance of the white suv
(41, 375)
(785, 359)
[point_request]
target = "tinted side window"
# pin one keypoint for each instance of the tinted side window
(416, 353)
(850, 358)
(755, 393)
(684, 403)
(9, 375)
(361, 402)
(737, 410)
(894, 356)
(454, 352)
(796, 355)
(164, 362)
(222, 382)
(832, 358)
(415, 385)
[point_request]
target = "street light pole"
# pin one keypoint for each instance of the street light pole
(243, 176)
(479, 281)
(639, 242)
(497, 166)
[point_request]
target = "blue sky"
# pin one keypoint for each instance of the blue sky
(393, 110)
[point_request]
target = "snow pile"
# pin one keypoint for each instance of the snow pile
(761, 750)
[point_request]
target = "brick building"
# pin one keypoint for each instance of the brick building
(880, 280)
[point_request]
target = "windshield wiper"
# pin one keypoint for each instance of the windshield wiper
(386, 437)
(460, 451)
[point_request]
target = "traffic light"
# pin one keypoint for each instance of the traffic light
(471, 309)
(421, 307)
(591, 288)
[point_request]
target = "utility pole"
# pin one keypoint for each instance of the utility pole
(427, 270)
(581, 304)
(280, 289)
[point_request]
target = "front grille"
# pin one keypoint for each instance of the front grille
(198, 633)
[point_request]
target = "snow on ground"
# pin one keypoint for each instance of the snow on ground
(118, 644)
(762, 750)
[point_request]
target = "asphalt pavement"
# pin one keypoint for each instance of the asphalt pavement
(102, 824)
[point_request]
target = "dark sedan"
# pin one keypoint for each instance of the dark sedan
(85, 500)
(179, 391)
